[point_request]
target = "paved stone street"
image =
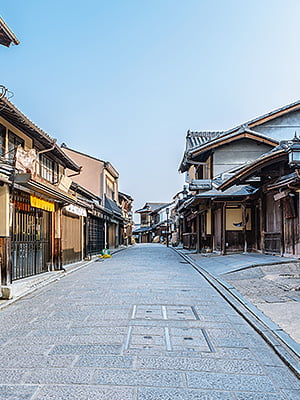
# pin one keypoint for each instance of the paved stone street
(271, 283)
(143, 325)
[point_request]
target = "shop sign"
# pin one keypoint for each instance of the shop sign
(73, 209)
(26, 160)
(64, 183)
(41, 204)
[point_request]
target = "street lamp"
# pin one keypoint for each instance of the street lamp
(294, 152)
(167, 211)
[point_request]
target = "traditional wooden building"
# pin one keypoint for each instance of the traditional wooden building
(161, 223)
(224, 221)
(276, 176)
(212, 220)
(34, 188)
(100, 178)
(146, 231)
(126, 202)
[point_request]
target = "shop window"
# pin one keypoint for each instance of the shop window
(48, 169)
(13, 142)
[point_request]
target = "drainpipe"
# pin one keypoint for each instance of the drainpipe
(47, 150)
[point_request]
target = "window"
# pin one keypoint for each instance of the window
(48, 169)
(144, 219)
(2, 140)
(201, 172)
(13, 142)
(110, 193)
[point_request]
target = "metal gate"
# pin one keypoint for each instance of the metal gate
(31, 241)
(95, 235)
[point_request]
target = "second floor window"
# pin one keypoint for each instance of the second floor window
(144, 219)
(48, 169)
(13, 142)
(201, 172)
(2, 140)
(110, 189)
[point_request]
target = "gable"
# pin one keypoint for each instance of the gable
(282, 127)
(237, 153)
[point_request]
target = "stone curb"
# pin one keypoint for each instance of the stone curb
(55, 276)
(284, 346)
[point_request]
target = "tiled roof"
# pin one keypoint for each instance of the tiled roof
(112, 206)
(13, 115)
(7, 37)
(195, 139)
(287, 107)
(149, 207)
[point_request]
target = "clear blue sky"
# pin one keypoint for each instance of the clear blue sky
(123, 80)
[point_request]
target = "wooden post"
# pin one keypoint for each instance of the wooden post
(261, 224)
(244, 219)
(213, 239)
(223, 230)
(282, 235)
(5, 260)
(198, 234)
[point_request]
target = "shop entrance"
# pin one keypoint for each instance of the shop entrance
(31, 239)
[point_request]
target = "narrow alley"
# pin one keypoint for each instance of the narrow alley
(143, 325)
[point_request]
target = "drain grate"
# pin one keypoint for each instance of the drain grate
(169, 339)
(157, 337)
(164, 312)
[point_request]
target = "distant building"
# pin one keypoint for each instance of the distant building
(125, 202)
(106, 228)
(146, 232)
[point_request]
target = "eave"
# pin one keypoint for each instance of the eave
(15, 117)
(7, 37)
(255, 166)
(247, 134)
(44, 188)
(279, 112)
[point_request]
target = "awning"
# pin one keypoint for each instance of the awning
(46, 189)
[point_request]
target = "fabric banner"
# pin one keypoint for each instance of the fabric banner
(42, 204)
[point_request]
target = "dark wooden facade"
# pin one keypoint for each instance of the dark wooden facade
(276, 203)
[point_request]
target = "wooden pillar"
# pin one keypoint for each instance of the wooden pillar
(213, 239)
(223, 230)
(244, 219)
(282, 233)
(57, 245)
(261, 224)
(6, 214)
(5, 260)
(198, 237)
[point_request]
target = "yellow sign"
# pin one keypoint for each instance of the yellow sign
(42, 204)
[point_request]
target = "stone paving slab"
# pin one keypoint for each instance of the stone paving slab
(83, 392)
(91, 336)
(17, 392)
(180, 394)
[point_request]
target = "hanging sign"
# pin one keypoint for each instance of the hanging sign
(41, 204)
(73, 209)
